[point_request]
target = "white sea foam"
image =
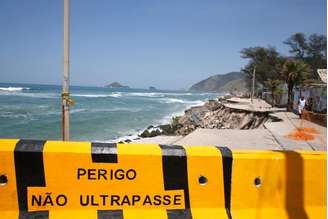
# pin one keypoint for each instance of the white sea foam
(168, 118)
(176, 100)
(77, 110)
(116, 109)
(123, 138)
(14, 115)
(171, 100)
(136, 94)
(117, 94)
(32, 95)
(157, 94)
(13, 89)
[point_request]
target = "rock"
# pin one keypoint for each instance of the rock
(212, 115)
(215, 115)
(151, 88)
(116, 85)
(151, 131)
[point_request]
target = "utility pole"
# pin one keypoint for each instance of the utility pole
(253, 84)
(65, 92)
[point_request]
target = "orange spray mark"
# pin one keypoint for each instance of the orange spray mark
(308, 130)
(300, 136)
(303, 134)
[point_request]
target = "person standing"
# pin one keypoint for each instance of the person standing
(301, 105)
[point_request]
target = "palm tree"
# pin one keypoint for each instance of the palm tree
(273, 86)
(295, 73)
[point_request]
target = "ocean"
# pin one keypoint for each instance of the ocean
(31, 111)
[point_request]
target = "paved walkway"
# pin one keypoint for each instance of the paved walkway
(258, 105)
(290, 125)
(255, 139)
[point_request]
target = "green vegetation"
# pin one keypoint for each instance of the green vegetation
(307, 55)
(274, 87)
(295, 72)
(311, 50)
(268, 63)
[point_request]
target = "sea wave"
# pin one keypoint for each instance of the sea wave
(13, 89)
(164, 120)
(122, 138)
(34, 95)
(116, 109)
(171, 100)
(14, 115)
(176, 100)
(141, 94)
(123, 94)
(157, 94)
(133, 94)
(77, 110)
(28, 94)
(99, 110)
(117, 94)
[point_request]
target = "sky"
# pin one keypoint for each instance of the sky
(169, 44)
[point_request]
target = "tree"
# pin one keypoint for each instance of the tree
(317, 52)
(295, 73)
(298, 45)
(311, 50)
(268, 63)
(274, 87)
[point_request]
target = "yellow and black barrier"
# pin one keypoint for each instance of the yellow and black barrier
(53, 179)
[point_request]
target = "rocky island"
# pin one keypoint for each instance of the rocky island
(116, 85)
(152, 88)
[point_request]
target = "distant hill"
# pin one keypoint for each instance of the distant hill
(233, 81)
(116, 85)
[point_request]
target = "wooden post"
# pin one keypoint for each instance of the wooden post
(65, 91)
(253, 85)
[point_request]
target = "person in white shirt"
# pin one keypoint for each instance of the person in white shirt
(301, 105)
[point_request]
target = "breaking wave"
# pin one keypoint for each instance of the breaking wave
(97, 95)
(13, 89)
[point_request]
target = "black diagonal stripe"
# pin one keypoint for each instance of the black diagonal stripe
(33, 215)
(104, 152)
(179, 214)
(227, 171)
(29, 173)
(110, 214)
(175, 173)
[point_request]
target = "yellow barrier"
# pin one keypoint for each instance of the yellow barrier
(53, 179)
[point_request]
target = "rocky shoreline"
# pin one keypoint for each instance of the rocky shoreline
(214, 114)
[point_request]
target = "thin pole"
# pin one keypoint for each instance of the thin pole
(65, 92)
(253, 84)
